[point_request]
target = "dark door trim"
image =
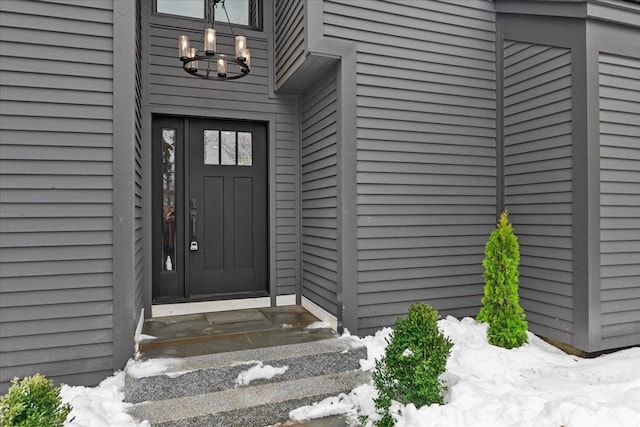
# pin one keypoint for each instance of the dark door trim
(174, 286)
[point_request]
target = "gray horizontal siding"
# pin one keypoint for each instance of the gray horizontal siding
(319, 194)
(172, 90)
(425, 151)
(289, 38)
(538, 181)
(56, 190)
(139, 293)
(619, 90)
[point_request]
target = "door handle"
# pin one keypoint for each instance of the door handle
(193, 246)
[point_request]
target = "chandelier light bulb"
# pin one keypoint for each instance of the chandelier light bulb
(222, 67)
(247, 58)
(241, 46)
(193, 65)
(184, 47)
(209, 41)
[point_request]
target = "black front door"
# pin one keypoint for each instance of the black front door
(227, 208)
(216, 247)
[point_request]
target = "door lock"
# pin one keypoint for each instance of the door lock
(193, 246)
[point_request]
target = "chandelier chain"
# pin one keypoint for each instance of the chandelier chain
(228, 20)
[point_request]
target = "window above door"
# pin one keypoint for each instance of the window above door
(241, 12)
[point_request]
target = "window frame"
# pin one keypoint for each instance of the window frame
(207, 18)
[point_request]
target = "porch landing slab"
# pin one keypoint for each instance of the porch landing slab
(209, 333)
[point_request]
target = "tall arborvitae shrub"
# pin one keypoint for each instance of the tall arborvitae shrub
(500, 306)
(415, 357)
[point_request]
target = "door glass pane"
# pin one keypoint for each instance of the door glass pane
(245, 155)
(168, 199)
(228, 148)
(190, 8)
(211, 147)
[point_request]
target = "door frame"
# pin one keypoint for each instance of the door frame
(243, 272)
(184, 114)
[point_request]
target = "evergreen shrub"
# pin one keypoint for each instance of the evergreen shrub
(32, 402)
(416, 355)
(500, 306)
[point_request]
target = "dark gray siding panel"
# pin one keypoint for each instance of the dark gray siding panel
(319, 194)
(289, 38)
(619, 80)
(425, 151)
(538, 181)
(172, 91)
(138, 178)
(56, 190)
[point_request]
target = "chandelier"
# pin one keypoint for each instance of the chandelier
(209, 63)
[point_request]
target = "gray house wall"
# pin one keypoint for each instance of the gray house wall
(426, 171)
(142, 296)
(419, 165)
(538, 180)
(56, 190)
(290, 41)
(408, 126)
(619, 93)
(172, 91)
(579, 280)
(319, 193)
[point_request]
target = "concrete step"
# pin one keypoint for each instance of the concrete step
(212, 373)
(255, 405)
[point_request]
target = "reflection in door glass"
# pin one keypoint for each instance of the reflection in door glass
(211, 147)
(244, 149)
(228, 148)
(168, 199)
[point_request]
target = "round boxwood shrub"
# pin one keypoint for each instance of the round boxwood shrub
(32, 402)
(500, 306)
(415, 357)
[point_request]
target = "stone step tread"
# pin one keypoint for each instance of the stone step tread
(264, 354)
(217, 372)
(266, 403)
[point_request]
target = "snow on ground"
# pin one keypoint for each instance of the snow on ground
(318, 325)
(535, 385)
(100, 406)
(259, 371)
(375, 347)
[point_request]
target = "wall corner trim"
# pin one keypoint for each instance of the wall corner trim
(124, 312)
(320, 313)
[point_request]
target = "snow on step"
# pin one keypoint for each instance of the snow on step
(258, 405)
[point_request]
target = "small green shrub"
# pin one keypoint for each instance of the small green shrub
(500, 306)
(33, 402)
(416, 355)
